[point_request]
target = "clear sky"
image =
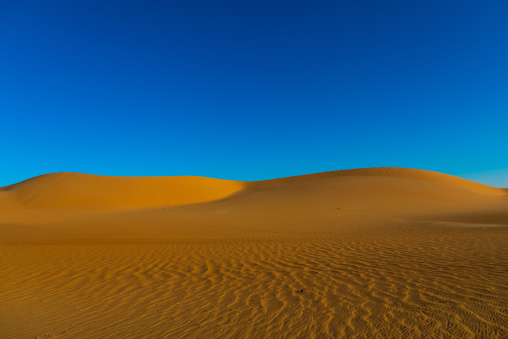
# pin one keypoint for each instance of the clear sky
(253, 90)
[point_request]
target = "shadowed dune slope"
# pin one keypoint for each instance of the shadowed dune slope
(393, 172)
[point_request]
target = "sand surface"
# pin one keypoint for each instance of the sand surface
(367, 253)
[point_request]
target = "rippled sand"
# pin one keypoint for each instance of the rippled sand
(368, 256)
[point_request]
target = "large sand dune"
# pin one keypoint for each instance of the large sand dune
(380, 252)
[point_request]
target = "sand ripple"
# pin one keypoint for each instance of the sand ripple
(450, 283)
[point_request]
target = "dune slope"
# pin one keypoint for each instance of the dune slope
(393, 172)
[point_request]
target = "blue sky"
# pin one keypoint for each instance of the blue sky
(252, 90)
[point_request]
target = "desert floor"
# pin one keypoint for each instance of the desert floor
(369, 253)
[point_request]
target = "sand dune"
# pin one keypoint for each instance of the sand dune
(68, 190)
(380, 252)
(64, 190)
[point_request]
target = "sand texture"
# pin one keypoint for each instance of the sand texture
(366, 253)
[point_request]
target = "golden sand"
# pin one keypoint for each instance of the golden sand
(367, 253)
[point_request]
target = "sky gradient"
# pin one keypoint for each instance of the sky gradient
(251, 90)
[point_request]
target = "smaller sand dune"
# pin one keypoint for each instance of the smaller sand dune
(71, 190)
